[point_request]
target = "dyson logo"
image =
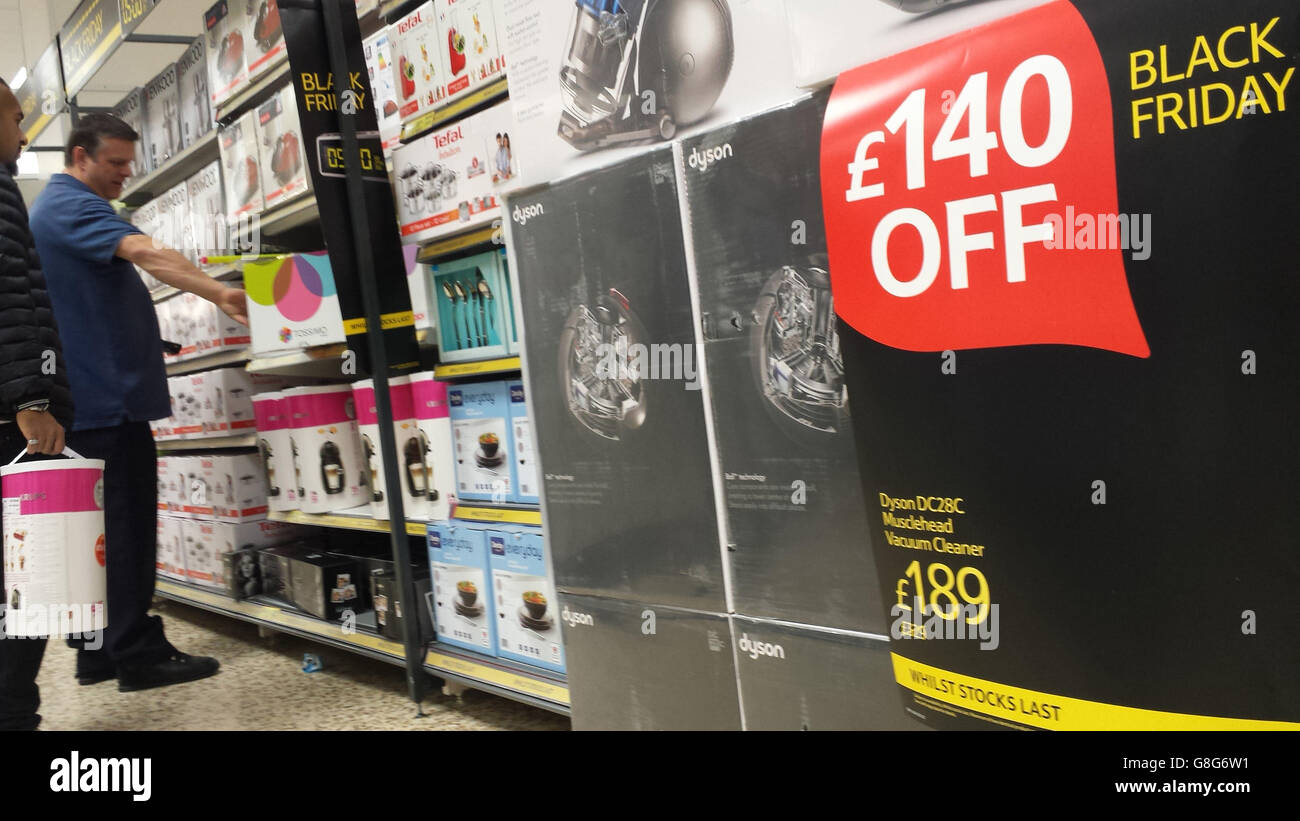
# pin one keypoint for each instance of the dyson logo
(447, 138)
(574, 618)
(522, 214)
(701, 160)
(757, 648)
(409, 23)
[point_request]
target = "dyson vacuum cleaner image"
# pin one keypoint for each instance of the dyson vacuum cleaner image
(609, 402)
(638, 70)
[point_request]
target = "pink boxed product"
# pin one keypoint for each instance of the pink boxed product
(406, 433)
(433, 424)
(276, 446)
(326, 446)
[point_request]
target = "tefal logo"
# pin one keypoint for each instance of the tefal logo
(409, 23)
(446, 138)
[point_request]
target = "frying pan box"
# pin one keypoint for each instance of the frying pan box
(162, 134)
(263, 37)
(283, 161)
(481, 443)
(227, 49)
(523, 597)
(192, 87)
(469, 46)
(464, 615)
(239, 167)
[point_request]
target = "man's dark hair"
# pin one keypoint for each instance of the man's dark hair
(93, 129)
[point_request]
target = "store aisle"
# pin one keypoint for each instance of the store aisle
(261, 686)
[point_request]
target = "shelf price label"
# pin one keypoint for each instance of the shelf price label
(945, 174)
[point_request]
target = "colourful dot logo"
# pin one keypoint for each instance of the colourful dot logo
(295, 285)
(285, 334)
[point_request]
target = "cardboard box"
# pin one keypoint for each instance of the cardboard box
(131, 110)
(162, 134)
(417, 282)
(327, 447)
(416, 61)
(471, 300)
(240, 166)
(224, 24)
(192, 86)
(468, 45)
(171, 548)
(210, 542)
(528, 625)
(378, 49)
(406, 434)
(462, 587)
(305, 313)
(449, 180)
(433, 420)
(232, 391)
(189, 393)
(480, 435)
(524, 461)
(263, 37)
(275, 566)
(271, 414)
(325, 584)
(243, 573)
(207, 234)
(282, 157)
(391, 610)
(174, 218)
(172, 484)
(238, 487)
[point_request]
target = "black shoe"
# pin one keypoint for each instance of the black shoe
(92, 668)
(175, 669)
(96, 678)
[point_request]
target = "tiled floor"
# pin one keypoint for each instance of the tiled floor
(261, 686)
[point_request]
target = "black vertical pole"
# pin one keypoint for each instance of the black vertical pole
(401, 546)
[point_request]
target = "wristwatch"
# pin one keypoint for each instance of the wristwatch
(42, 406)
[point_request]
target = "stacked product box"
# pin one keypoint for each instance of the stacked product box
(263, 37)
(275, 446)
(195, 101)
(481, 441)
(471, 52)
(225, 50)
(472, 307)
(390, 608)
(292, 303)
(523, 596)
(216, 402)
(410, 455)
(207, 232)
(146, 218)
(174, 217)
(326, 444)
(162, 133)
(378, 49)
(282, 159)
(417, 282)
(464, 614)
(207, 543)
(132, 111)
(450, 180)
(416, 57)
(526, 485)
(240, 166)
(170, 562)
(433, 421)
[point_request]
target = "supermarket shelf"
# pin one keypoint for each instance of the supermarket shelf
(220, 272)
(486, 367)
(357, 518)
(427, 122)
(322, 361)
(233, 440)
(269, 615)
(520, 682)
(432, 251)
(176, 170)
(253, 94)
(298, 212)
(203, 363)
(515, 514)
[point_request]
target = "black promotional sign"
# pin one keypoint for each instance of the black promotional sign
(132, 13)
(1063, 249)
(320, 107)
(87, 39)
(41, 96)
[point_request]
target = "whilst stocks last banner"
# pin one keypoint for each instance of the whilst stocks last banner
(322, 101)
(1063, 251)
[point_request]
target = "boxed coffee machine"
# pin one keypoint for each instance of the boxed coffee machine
(462, 587)
(292, 303)
(480, 435)
(279, 137)
(227, 70)
(162, 134)
(192, 85)
(469, 47)
(406, 434)
(434, 453)
(239, 166)
(326, 445)
(263, 37)
(276, 449)
(528, 629)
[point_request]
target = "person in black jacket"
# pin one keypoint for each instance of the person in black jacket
(35, 400)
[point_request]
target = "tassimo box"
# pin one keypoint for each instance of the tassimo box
(524, 460)
(480, 435)
(279, 138)
(433, 422)
(275, 446)
(194, 100)
(292, 303)
(226, 50)
(410, 455)
(469, 46)
(327, 448)
(524, 598)
(263, 37)
(162, 134)
(239, 166)
(417, 62)
(464, 615)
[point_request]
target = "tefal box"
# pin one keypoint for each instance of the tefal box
(292, 303)
(195, 102)
(326, 445)
(524, 599)
(263, 37)
(480, 436)
(469, 46)
(226, 50)
(435, 455)
(462, 587)
(162, 134)
(279, 137)
(417, 61)
(239, 166)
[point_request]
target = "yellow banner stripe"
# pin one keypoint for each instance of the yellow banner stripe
(510, 681)
(398, 319)
(88, 65)
(495, 514)
(1054, 712)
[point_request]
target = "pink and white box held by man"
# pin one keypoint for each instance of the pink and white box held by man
(276, 447)
(410, 453)
(54, 548)
(433, 417)
(326, 448)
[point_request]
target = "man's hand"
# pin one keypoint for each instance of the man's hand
(234, 303)
(44, 428)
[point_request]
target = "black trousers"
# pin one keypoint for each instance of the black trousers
(131, 545)
(20, 658)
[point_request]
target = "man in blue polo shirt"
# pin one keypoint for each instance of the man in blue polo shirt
(119, 383)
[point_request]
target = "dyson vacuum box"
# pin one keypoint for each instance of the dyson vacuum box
(282, 158)
(326, 448)
(462, 587)
(480, 436)
(418, 66)
(614, 388)
(192, 84)
(797, 678)
(162, 134)
(132, 111)
(239, 166)
(472, 306)
(275, 445)
(434, 454)
(469, 45)
(523, 596)
(780, 407)
(292, 303)
(646, 666)
(525, 448)
(592, 82)
(226, 50)
(406, 433)
(263, 37)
